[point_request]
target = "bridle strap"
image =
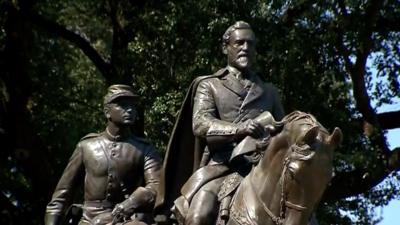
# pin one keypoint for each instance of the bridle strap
(294, 206)
(278, 220)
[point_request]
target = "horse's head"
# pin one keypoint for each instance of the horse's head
(302, 154)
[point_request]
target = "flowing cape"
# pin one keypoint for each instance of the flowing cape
(184, 152)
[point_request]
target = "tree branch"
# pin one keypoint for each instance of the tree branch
(389, 120)
(394, 159)
(359, 181)
(293, 12)
(119, 44)
(386, 24)
(102, 65)
(386, 120)
(340, 35)
(357, 73)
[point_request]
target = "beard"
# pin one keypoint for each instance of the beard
(243, 62)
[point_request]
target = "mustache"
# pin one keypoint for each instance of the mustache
(243, 54)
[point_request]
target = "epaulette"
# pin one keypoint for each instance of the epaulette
(90, 135)
(196, 81)
(221, 72)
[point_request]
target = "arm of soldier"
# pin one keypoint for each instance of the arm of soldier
(218, 132)
(205, 121)
(64, 190)
(143, 198)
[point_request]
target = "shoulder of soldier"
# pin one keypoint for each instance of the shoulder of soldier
(215, 77)
(90, 135)
(89, 138)
(144, 144)
(220, 73)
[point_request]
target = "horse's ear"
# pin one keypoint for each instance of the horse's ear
(336, 137)
(310, 136)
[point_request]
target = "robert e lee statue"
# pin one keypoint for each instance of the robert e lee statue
(221, 109)
(120, 171)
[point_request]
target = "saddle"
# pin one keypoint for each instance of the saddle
(243, 158)
(228, 189)
(249, 154)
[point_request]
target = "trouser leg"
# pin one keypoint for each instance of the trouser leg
(204, 205)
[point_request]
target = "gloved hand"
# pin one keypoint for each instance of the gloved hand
(274, 128)
(249, 128)
(267, 120)
(124, 210)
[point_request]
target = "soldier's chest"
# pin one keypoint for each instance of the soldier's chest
(119, 156)
(230, 104)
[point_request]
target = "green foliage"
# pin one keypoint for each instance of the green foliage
(66, 103)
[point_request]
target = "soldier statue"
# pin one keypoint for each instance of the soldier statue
(221, 109)
(119, 170)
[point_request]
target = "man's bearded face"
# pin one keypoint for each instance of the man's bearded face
(241, 49)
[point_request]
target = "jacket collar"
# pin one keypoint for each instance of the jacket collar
(256, 90)
(231, 81)
(116, 138)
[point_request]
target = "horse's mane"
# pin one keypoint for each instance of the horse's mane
(308, 119)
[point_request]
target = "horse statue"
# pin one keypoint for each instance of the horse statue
(287, 182)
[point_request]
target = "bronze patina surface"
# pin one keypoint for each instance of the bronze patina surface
(120, 171)
(244, 162)
(287, 183)
(220, 109)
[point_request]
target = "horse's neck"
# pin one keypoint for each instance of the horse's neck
(266, 176)
(271, 164)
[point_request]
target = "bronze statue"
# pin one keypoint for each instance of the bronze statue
(221, 110)
(120, 171)
(289, 180)
(285, 185)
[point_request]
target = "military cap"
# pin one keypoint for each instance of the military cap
(119, 90)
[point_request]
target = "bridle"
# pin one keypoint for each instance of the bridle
(284, 202)
(303, 153)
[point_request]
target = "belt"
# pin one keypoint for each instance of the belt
(105, 204)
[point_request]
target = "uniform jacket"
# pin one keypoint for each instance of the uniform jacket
(222, 103)
(185, 149)
(111, 170)
(219, 106)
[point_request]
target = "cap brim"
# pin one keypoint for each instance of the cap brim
(123, 95)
